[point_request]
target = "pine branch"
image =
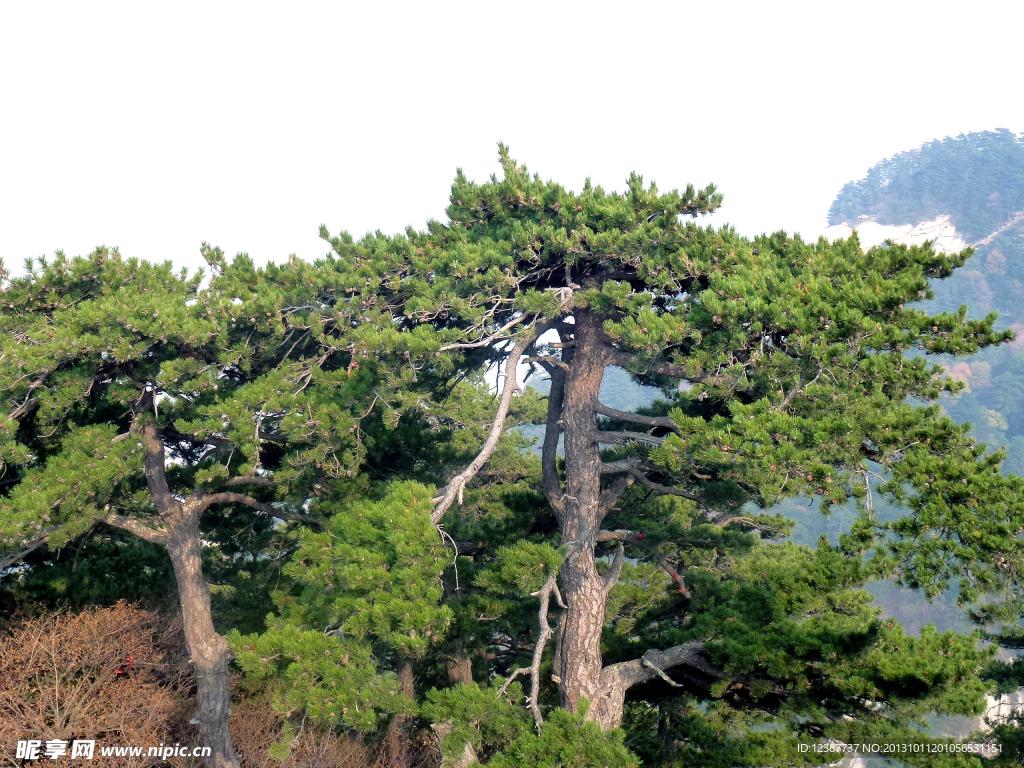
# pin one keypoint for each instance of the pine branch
(156, 471)
(632, 467)
(549, 451)
(490, 339)
(130, 524)
(607, 438)
(612, 577)
(611, 495)
(251, 480)
(455, 487)
(636, 418)
(548, 362)
(34, 543)
(638, 539)
(659, 368)
(25, 405)
(207, 500)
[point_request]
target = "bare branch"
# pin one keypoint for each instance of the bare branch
(251, 480)
(130, 524)
(636, 418)
(488, 340)
(612, 577)
(549, 451)
(454, 489)
(207, 500)
(607, 438)
(538, 650)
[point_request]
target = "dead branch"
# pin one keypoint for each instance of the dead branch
(538, 651)
(489, 339)
(457, 484)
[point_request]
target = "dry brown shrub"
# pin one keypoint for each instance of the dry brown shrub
(62, 676)
(255, 727)
(59, 680)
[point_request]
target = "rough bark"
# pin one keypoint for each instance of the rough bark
(401, 725)
(578, 652)
(616, 679)
(209, 650)
(460, 668)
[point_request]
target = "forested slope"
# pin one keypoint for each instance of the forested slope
(977, 180)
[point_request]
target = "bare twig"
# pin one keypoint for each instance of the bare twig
(538, 650)
(489, 339)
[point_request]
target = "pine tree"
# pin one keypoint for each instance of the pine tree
(143, 401)
(787, 367)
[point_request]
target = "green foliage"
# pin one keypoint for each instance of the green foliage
(329, 679)
(374, 571)
(467, 713)
(567, 741)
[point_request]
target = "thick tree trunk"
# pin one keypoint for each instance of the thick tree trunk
(460, 668)
(401, 725)
(578, 653)
(209, 651)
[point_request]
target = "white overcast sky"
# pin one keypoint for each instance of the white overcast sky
(154, 127)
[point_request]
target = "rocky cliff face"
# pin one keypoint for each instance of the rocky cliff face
(940, 231)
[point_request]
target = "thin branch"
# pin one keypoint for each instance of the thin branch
(628, 361)
(636, 418)
(457, 484)
(606, 438)
(25, 405)
(251, 480)
(802, 386)
(538, 651)
(35, 543)
(612, 577)
(207, 500)
(666, 489)
(490, 339)
(638, 539)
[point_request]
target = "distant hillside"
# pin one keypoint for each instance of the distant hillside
(967, 190)
(977, 179)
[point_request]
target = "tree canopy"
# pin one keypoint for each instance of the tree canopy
(624, 564)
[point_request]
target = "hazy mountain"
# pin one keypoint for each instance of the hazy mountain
(961, 191)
